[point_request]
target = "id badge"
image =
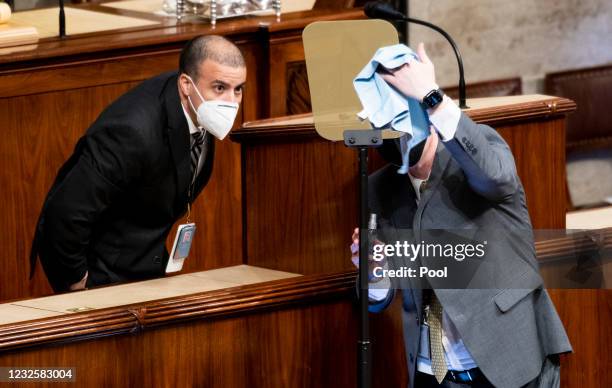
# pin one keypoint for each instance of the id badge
(424, 343)
(180, 247)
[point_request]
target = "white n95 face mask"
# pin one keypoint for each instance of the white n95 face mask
(215, 116)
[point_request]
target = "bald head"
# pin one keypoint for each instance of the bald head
(213, 47)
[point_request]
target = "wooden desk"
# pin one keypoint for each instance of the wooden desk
(270, 333)
(590, 218)
(51, 93)
(140, 292)
(300, 186)
(279, 331)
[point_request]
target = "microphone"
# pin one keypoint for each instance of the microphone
(62, 20)
(380, 10)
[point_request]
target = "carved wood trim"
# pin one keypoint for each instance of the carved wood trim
(232, 301)
(136, 318)
(555, 106)
(298, 96)
(568, 246)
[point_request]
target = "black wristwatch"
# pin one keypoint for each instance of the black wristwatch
(433, 98)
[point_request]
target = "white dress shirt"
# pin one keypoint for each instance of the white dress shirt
(445, 120)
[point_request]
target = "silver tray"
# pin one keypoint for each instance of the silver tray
(232, 8)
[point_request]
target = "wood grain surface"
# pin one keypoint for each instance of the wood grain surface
(291, 332)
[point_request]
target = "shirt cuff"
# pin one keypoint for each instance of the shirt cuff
(380, 291)
(446, 119)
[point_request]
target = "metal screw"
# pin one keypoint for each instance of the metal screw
(352, 140)
(374, 140)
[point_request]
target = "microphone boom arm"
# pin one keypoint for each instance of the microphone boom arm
(450, 40)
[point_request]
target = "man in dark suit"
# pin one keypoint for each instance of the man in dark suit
(505, 333)
(136, 170)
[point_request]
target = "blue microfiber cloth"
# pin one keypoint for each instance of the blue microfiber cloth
(385, 107)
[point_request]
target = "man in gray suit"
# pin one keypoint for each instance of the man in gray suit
(464, 178)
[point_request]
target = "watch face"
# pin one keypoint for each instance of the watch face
(433, 98)
(436, 98)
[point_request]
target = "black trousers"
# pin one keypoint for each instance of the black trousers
(423, 380)
(549, 377)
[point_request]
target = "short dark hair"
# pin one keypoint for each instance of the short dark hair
(213, 47)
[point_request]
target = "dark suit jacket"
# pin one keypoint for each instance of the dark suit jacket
(115, 199)
(474, 186)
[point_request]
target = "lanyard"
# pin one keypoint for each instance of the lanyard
(193, 179)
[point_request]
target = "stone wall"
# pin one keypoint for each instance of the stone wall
(525, 38)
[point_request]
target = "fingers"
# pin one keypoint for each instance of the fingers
(355, 247)
(422, 54)
(390, 79)
(431, 144)
(380, 69)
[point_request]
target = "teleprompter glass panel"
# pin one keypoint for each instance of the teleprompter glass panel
(335, 52)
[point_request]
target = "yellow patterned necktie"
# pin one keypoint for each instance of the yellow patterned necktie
(438, 361)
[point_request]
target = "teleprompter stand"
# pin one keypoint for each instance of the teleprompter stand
(362, 140)
(331, 70)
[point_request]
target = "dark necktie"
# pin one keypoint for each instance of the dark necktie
(197, 140)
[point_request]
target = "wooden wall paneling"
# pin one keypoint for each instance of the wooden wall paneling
(309, 346)
(296, 195)
(539, 153)
(388, 355)
(298, 98)
(254, 95)
(304, 348)
(285, 53)
(299, 332)
(311, 343)
(288, 348)
(292, 332)
(587, 318)
(87, 73)
(40, 132)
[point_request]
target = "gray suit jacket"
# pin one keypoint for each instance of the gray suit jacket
(474, 186)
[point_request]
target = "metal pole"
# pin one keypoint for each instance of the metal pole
(365, 358)
(62, 20)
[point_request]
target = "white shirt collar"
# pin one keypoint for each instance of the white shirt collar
(192, 127)
(416, 184)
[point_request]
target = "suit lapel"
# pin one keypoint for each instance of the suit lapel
(435, 177)
(403, 202)
(178, 135)
(437, 171)
(205, 172)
